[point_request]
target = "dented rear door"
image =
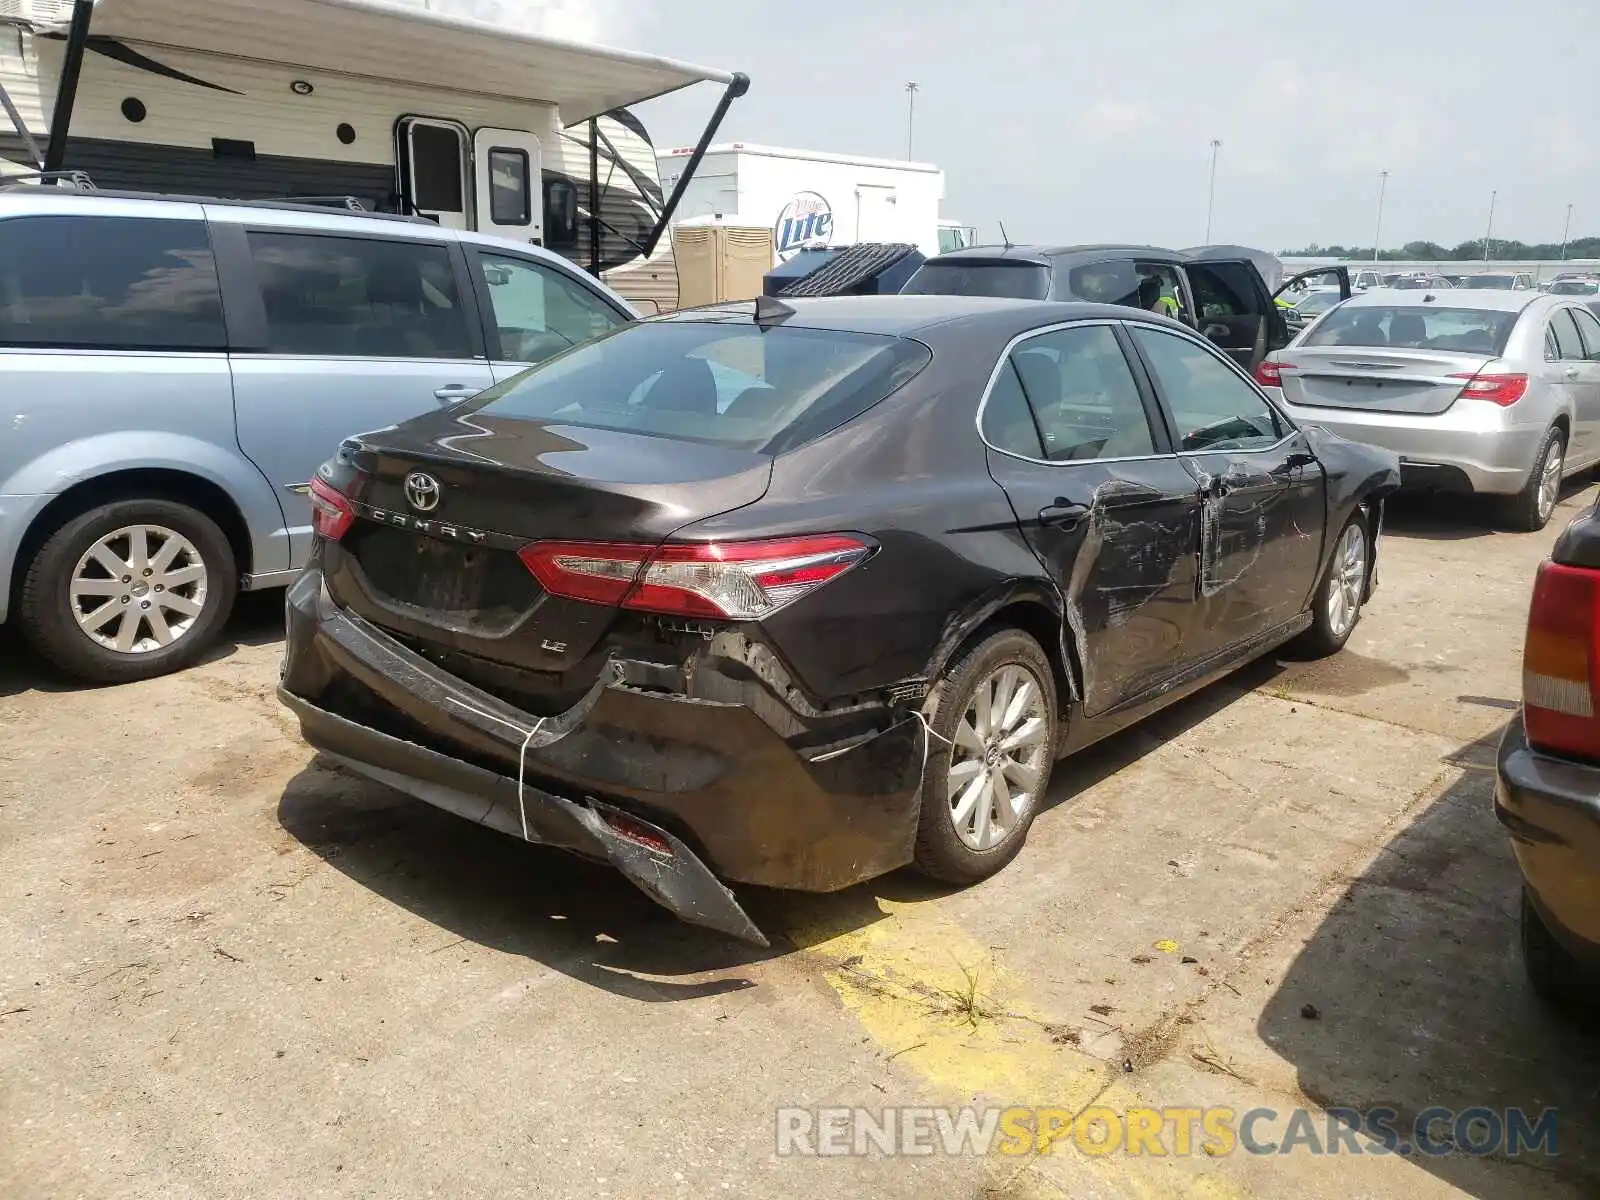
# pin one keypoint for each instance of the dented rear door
(1110, 511)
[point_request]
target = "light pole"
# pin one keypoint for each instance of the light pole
(911, 115)
(1377, 233)
(1488, 236)
(1211, 199)
(1566, 230)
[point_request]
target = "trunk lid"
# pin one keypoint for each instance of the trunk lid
(434, 560)
(538, 479)
(1416, 382)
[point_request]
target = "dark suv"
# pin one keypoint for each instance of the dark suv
(1223, 291)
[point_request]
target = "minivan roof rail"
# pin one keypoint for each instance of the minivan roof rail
(344, 205)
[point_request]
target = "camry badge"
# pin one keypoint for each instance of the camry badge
(422, 491)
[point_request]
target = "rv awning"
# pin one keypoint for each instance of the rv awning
(383, 40)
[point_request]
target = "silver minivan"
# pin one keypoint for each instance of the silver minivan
(1494, 392)
(173, 371)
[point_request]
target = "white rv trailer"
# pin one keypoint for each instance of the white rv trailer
(812, 198)
(462, 122)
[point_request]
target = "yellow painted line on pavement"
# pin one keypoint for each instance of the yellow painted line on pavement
(947, 1009)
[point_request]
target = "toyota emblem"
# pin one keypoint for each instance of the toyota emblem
(422, 491)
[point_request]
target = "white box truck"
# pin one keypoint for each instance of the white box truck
(809, 198)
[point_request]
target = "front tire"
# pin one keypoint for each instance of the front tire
(1341, 593)
(129, 590)
(989, 759)
(1530, 509)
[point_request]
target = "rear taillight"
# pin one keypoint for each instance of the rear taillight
(1504, 390)
(1269, 373)
(734, 581)
(331, 513)
(1559, 659)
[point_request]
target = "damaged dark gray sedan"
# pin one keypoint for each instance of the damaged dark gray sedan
(797, 594)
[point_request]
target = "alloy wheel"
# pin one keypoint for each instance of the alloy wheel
(138, 589)
(998, 758)
(1348, 580)
(1550, 481)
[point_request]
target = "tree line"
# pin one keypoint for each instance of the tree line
(1587, 247)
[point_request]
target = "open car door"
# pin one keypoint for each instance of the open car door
(1341, 273)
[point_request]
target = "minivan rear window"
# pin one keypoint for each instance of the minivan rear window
(1012, 280)
(108, 283)
(730, 384)
(1415, 327)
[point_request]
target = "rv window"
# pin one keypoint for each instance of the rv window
(538, 311)
(436, 161)
(359, 297)
(509, 187)
(560, 213)
(108, 283)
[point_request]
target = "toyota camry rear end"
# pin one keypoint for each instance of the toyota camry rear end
(561, 610)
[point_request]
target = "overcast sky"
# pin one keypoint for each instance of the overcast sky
(1090, 121)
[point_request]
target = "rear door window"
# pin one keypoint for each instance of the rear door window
(1008, 423)
(960, 277)
(1154, 287)
(1081, 390)
(731, 384)
(109, 283)
(359, 297)
(1569, 343)
(1212, 406)
(1589, 327)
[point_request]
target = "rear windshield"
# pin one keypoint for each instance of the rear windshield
(1014, 280)
(1415, 327)
(1573, 287)
(727, 383)
(1488, 282)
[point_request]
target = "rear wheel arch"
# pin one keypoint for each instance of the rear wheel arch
(1030, 611)
(180, 487)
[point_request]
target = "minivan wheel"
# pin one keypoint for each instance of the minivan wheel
(129, 590)
(1337, 606)
(1557, 977)
(1530, 509)
(989, 759)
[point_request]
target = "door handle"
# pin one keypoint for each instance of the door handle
(1063, 515)
(1571, 372)
(452, 392)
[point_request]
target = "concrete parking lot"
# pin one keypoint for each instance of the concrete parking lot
(232, 971)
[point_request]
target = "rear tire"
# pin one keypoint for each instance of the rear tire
(129, 590)
(1337, 607)
(1530, 509)
(1557, 977)
(994, 733)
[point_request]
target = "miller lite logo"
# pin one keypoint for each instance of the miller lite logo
(806, 220)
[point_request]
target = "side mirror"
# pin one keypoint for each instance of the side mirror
(1215, 332)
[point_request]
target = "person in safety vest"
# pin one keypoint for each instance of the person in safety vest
(1155, 294)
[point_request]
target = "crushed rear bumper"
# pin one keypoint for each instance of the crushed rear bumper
(677, 793)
